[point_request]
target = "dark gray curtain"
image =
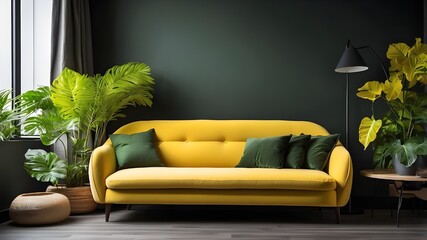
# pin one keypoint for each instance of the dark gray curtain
(71, 37)
(71, 43)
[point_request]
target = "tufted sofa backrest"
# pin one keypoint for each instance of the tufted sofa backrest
(213, 143)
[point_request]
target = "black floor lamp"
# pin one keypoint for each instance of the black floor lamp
(352, 62)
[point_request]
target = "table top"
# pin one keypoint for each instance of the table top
(390, 174)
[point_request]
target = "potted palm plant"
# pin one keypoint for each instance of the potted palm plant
(79, 106)
(398, 137)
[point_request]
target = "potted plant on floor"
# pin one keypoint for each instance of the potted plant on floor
(77, 106)
(66, 172)
(399, 137)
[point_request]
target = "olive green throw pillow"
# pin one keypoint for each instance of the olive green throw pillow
(264, 152)
(295, 154)
(318, 152)
(136, 150)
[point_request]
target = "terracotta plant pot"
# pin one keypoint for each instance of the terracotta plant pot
(81, 200)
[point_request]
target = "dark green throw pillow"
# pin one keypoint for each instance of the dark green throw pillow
(264, 152)
(136, 150)
(295, 154)
(318, 152)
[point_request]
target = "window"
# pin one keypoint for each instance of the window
(36, 19)
(25, 56)
(35, 24)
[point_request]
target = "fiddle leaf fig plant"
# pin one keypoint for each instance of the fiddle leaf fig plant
(77, 105)
(399, 132)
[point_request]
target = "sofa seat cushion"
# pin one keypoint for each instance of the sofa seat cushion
(220, 178)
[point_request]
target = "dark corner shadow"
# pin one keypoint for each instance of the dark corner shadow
(255, 214)
(223, 214)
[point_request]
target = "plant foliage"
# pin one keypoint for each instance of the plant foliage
(95, 101)
(77, 105)
(44, 166)
(400, 132)
(8, 116)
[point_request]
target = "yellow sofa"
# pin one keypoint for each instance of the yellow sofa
(200, 156)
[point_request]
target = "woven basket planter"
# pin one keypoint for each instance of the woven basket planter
(39, 208)
(81, 200)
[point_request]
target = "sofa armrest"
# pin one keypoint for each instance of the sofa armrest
(341, 169)
(102, 164)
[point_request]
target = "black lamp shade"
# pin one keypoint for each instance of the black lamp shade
(351, 61)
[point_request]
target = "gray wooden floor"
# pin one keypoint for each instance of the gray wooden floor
(226, 222)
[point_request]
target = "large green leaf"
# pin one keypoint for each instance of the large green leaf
(412, 66)
(73, 94)
(33, 100)
(127, 85)
(397, 52)
(421, 68)
(50, 125)
(381, 158)
(393, 88)
(407, 152)
(368, 130)
(121, 86)
(421, 141)
(4, 98)
(370, 90)
(418, 107)
(419, 48)
(45, 167)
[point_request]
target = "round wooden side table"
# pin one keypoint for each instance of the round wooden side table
(390, 175)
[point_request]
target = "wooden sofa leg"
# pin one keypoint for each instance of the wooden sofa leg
(107, 212)
(338, 214)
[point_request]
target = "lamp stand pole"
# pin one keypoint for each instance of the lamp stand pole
(346, 123)
(346, 109)
(347, 143)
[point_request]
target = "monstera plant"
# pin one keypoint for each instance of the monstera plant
(399, 133)
(79, 106)
(44, 119)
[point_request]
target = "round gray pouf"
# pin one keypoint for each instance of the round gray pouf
(39, 208)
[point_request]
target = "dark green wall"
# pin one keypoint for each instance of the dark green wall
(264, 59)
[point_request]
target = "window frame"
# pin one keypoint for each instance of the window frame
(16, 49)
(16, 57)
